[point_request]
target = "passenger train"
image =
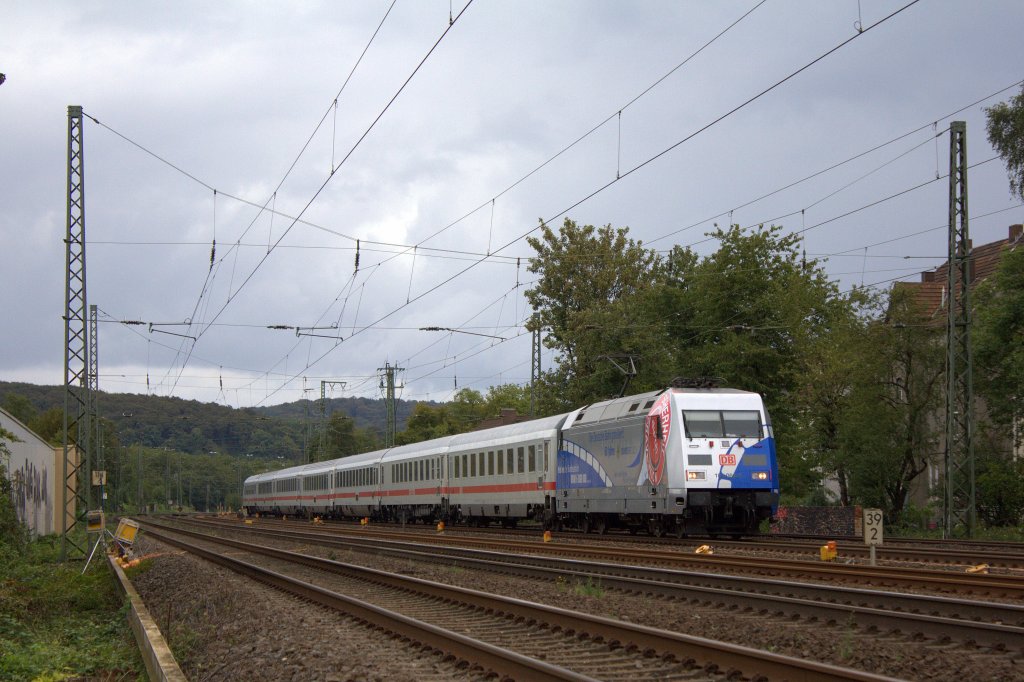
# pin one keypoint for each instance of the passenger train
(680, 461)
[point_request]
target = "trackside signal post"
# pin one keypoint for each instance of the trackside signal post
(872, 530)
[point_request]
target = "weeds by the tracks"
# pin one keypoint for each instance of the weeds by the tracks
(590, 588)
(57, 624)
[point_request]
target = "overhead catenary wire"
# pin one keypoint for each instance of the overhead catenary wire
(334, 170)
(378, 327)
(629, 172)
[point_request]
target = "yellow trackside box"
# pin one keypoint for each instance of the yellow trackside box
(126, 531)
(95, 521)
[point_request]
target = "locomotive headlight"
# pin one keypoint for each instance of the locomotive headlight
(694, 475)
(760, 475)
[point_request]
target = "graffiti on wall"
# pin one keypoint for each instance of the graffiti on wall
(30, 489)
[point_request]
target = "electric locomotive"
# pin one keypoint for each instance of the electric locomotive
(682, 460)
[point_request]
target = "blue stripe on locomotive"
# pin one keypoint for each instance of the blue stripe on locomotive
(743, 476)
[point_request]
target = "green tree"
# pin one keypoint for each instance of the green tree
(426, 422)
(753, 313)
(20, 407)
(13, 533)
(824, 398)
(999, 479)
(999, 339)
(49, 425)
(343, 438)
(887, 435)
(1005, 129)
(507, 396)
(583, 271)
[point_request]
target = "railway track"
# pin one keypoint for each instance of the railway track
(1006, 555)
(937, 619)
(511, 637)
(978, 586)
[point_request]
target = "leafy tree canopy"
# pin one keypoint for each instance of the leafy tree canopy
(1005, 129)
(999, 339)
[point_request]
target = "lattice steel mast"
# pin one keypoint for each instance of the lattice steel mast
(535, 369)
(388, 386)
(959, 508)
(77, 465)
(323, 411)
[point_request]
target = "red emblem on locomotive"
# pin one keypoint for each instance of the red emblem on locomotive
(656, 430)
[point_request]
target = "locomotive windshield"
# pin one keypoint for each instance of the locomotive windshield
(722, 423)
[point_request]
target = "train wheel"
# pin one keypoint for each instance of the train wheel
(585, 525)
(600, 526)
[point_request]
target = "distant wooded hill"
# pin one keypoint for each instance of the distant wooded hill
(196, 427)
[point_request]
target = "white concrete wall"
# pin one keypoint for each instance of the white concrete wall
(34, 477)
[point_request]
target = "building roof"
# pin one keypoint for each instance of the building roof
(930, 293)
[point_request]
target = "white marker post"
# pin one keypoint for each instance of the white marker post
(872, 530)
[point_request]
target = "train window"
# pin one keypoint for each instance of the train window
(632, 408)
(465, 466)
(521, 459)
(481, 458)
(648, 405)
(533, 458)
(545, 455)
(472, 465)
(456, 469)
(510, 458)
(745, 423)
(490, 462)
(501, 462)
(423, 470)
(703, 423)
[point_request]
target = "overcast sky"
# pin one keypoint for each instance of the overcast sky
(204, 107)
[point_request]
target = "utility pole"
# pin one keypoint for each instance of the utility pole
(77, 466)
(535, 369)
(307, 435)
(959, 512)
(388, 387)
(323, 411)
(140, 502)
